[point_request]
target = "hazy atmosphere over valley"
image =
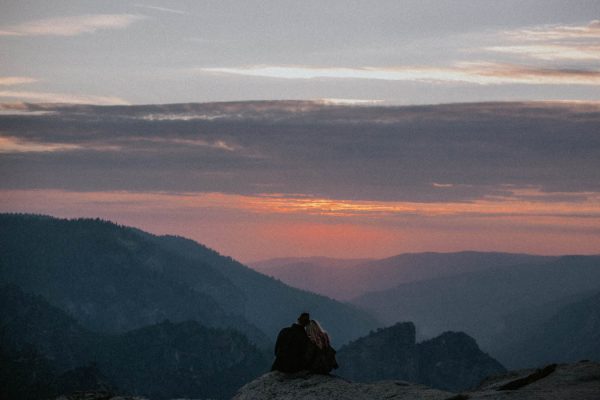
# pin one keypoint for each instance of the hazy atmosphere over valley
(422, 176)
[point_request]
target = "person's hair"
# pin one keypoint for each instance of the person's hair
(317, 335)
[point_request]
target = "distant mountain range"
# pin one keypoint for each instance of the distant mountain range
(355, 277)
(477, 302)
(499, 299)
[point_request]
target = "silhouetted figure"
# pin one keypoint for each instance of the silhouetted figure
(292, 347)
(321, 354)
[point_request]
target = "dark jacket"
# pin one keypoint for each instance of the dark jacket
(292, 350)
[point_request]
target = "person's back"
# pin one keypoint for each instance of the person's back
(291, 348)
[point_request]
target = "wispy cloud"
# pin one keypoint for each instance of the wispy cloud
(71, 26)
(216, 144)
(162, 9)
(523, 203)
(566, 47)
(551, 51)
(45, 97)
(15, 80)
(552, 43)
(347, 102)
(15, 145)
(484, 73)
(559, 32)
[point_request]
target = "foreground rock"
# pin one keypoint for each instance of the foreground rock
(276, 385)
(99, 395)
(579, 381)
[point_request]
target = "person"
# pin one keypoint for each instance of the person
(292, 347)
(321, 354)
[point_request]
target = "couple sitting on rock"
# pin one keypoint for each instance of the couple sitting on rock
(304, 346)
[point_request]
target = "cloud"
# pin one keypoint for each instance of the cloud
(15, 80)
(551, 51)
(483, 73)
(16, 145)
(567, 48)
(348, 102)
(419, 154)
(71, 26)
(45, 97)
(217, 144)
(525, 203)
(552, 43)
(162, 9)
(559, 32)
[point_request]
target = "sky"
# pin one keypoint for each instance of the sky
(398, 52)
(270, 129)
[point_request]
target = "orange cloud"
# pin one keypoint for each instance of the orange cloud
(50, 97)
(15, 80)
(520, 203)
(9, 144)
(15, 145)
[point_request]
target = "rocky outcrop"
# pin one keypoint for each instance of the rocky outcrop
(389, 353)
(100, 395)
(451, 361)
(579, 381)
(280, 386)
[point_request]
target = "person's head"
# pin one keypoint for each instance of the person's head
(315, 325)
(304, 319)
(316, 334)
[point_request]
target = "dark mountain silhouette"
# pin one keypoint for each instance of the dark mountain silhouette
(477, 302)
(570, 334)
(357, 277)
(113, 279)
(268, 302)
(180, 360)
(451, 361)
(50, 353)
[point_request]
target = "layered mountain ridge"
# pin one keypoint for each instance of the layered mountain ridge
(56, 354)
(113, 279)
(502, 300)
(88, 304)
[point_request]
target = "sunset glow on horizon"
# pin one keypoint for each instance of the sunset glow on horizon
(252, 228)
